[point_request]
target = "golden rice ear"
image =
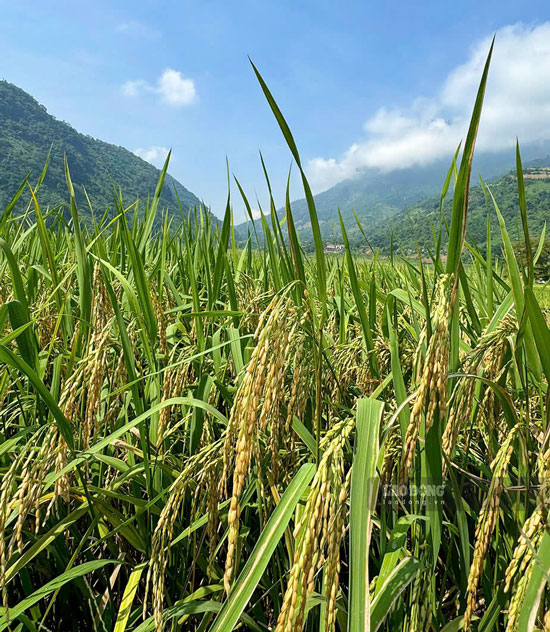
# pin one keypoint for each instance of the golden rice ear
(319, 534)
(6, 493)
(527, 544)
(486, 522)
(431, 397)
(486, 358)
(196, 475)
(258, 408)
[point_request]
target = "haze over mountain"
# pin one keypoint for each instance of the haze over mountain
(28, 132)
(382, 199)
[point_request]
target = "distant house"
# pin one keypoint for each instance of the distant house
(334, 247)
(537, 173)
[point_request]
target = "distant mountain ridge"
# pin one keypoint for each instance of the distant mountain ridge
(382, 201)
(28, 132)
(412, 227)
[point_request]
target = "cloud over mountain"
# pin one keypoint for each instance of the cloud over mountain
(517, 103)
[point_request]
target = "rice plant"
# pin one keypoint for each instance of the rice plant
(200, 437)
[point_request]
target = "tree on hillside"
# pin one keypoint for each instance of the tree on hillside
(542, 266)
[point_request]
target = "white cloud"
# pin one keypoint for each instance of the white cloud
(256, 214)
(156, 154)
(173, 88)
(517, 103)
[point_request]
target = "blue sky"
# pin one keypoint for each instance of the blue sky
(362, 84)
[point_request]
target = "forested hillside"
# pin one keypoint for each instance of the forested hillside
(28, 133)
(413, 226)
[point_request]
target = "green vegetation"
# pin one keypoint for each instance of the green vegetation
(414, 226)
(197, 437)
(405, 204)
(28, 134)
(542, 264)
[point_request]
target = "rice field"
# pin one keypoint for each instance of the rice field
(196, 437)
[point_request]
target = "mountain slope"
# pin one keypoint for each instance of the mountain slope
(412, 226)
(27, 132)
(379, 197)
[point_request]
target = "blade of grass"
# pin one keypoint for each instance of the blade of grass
(364, 486)
(259, 558)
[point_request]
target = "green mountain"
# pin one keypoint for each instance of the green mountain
(413, 226)
(395, 200)
(28, 132)
(374, 196)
